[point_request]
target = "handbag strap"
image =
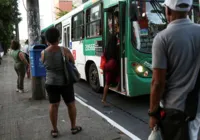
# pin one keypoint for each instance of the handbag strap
(65, 58)
(63, 54)
(64, 63)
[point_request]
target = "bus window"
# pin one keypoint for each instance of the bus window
(93, 20)
(78, 27)
(67, 37)
(150, 21)
(59, 27)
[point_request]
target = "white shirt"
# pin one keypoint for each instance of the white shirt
(25, 49)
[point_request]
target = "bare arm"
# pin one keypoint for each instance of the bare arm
(69, 55)
(42, 56)
(157, 88)
(22, 58)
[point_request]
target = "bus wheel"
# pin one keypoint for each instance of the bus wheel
(94, 78)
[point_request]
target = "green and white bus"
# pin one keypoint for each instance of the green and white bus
(86, 30)
(195, 12)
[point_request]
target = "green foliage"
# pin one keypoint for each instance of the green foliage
(9, 17)
(60, 13)
(73, 6)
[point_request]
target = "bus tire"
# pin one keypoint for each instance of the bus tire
(93, 77)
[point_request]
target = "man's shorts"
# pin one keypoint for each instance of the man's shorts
(55, 92)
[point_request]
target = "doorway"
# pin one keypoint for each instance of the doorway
(116, 26)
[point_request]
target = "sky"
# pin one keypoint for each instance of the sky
(46, 16)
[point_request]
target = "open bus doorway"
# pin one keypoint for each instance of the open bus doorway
(116, 28)
(194, 14)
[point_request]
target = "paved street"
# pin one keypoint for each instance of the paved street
(25, 119)
(130, 113)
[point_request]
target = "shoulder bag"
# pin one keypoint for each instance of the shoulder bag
(71, 73)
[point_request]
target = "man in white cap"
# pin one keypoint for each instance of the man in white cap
(176, 63)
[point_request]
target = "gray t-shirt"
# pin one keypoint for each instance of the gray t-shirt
(177, 50)
(53, 62)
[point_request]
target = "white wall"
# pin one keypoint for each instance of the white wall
(47, 16)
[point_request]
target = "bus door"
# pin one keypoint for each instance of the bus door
(112, 28)
(122, 16)
(116, 26)
(67, 37)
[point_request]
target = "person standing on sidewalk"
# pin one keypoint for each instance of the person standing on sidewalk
(25, 50)
(175, 63)
(55, 81)
(20, 65)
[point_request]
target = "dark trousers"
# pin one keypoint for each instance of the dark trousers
(20, 70)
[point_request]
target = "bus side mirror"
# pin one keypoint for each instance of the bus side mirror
(133, 12)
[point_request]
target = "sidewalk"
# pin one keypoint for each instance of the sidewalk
(24, 119)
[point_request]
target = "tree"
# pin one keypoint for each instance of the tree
(73, 6)
(9, 18)
(16, 17)
(60, 13)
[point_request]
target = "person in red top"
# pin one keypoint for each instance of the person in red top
(111, 66)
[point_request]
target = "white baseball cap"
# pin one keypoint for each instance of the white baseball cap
(175, 5)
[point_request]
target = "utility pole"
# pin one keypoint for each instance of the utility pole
(17, 31)
(33, 18)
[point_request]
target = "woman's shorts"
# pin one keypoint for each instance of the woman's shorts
(55, 92)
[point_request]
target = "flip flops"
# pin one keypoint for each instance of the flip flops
(54, 133)
(76, 130)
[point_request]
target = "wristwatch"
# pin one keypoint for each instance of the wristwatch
(153, 113)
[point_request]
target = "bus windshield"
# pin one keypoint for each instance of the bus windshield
(150, 20)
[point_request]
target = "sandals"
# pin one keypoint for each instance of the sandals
(76, 130)
(54, 133)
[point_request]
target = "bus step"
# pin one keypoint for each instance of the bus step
(120, 92)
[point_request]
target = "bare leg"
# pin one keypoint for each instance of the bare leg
(53, 113)
(117, 88)
(28, 72)
(106, 88)
(72, 113)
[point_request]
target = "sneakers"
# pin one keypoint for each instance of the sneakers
(21, 91)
